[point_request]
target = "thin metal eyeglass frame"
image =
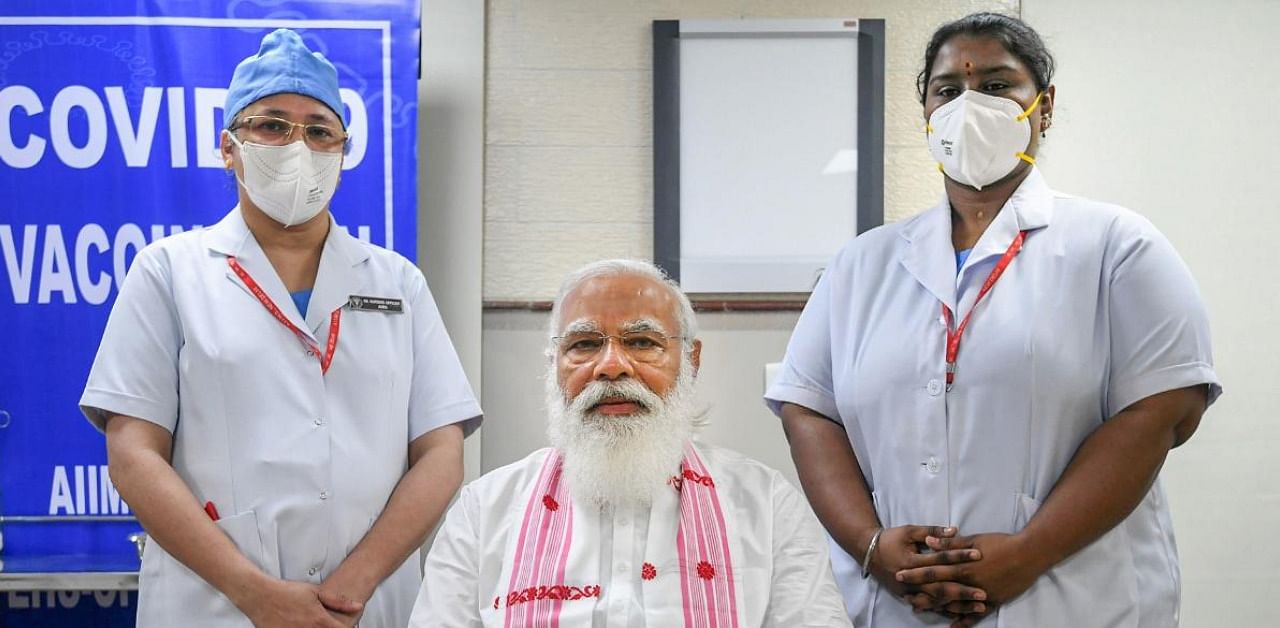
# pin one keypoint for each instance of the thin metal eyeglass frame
(340, 147)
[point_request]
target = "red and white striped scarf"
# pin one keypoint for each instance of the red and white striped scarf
(537, 587)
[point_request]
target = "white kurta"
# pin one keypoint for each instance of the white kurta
(298, 464)
(1096, 312)
(781, 573)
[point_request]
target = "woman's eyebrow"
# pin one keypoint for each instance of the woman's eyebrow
(951, 76)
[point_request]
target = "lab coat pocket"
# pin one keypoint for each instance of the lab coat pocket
(1095, 587)
(243, 531)
(180, 597)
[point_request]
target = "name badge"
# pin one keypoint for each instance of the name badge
(375, 304)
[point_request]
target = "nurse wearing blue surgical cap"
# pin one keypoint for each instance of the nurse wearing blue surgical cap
(283, 409)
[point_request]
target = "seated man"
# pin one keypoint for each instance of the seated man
(626, 521)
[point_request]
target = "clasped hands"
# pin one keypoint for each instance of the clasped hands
(964, 578)
(273, 602)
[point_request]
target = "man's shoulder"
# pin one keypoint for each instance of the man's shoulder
(737, 467)
(511, 478)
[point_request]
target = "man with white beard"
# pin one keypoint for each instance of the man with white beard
(625, 520)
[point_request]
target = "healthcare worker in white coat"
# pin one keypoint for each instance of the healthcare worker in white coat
(979, 399)
(283, 409)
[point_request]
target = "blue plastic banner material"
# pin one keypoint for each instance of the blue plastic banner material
(109, 120)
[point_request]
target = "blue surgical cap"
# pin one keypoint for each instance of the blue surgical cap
(283, 65)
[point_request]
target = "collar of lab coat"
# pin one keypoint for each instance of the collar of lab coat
(930, 257)
(336, 280)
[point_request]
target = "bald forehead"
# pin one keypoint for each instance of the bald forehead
(616, 300)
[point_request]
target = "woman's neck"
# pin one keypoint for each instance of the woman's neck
(972, 211)
(293, 251)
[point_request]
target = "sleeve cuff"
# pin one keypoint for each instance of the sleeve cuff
(466, 414)
(781, 393)
(1135, 389)
(97, 404)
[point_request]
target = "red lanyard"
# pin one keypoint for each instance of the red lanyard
(953, 337)
(327, 358)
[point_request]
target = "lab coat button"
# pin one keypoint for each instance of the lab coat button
(933, 465)
(934, 387)
(319, 421)
(312, 571)
(324, 494)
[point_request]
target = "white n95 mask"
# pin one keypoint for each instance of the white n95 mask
(289, 183)
(979, 139)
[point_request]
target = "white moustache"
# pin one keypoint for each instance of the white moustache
(622, 390)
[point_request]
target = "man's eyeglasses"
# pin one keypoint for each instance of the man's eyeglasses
(641, 346)
(273, 131)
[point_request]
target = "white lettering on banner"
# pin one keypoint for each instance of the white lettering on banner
(19, 273)
(55, 270)
(15, 97)
(91, 494)
(128, 237)
(23, 600)
(83, 98)
(94, 292)
(357, 128)
(72, 277)
(208, 120)
(135, 143)
(80, 108)
(177, 127)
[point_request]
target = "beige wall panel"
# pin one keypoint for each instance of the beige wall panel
(569, 108)
(567, 74)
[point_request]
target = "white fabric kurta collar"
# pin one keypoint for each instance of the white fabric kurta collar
(930, 257)
(336, 279)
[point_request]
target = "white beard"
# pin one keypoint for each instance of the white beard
(619, 460)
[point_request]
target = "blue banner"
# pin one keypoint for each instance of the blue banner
(109, 123)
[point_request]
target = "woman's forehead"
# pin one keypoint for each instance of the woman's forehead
(975, 53)
(291, 106)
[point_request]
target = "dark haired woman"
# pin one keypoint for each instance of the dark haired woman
(979, 399)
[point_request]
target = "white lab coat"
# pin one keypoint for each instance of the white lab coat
(781, 573)
(1096, 313)
(297, 463)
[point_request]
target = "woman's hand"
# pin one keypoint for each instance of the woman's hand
(285, 604)
(902, 549)
(1004, 572)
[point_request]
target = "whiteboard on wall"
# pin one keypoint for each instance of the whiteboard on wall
(768, 149)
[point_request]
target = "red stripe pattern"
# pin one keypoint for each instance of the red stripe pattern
(706, 569)
(542, 549)
(537, 589)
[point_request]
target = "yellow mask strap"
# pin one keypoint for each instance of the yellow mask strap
(1027, 158)
(928, 128)
(1035, 104)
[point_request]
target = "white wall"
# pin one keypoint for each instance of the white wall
(451, 177)
(1165, 107)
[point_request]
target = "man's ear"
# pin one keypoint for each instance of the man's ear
(695, 356)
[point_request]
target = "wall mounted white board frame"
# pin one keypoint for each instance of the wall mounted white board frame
(768, 148)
